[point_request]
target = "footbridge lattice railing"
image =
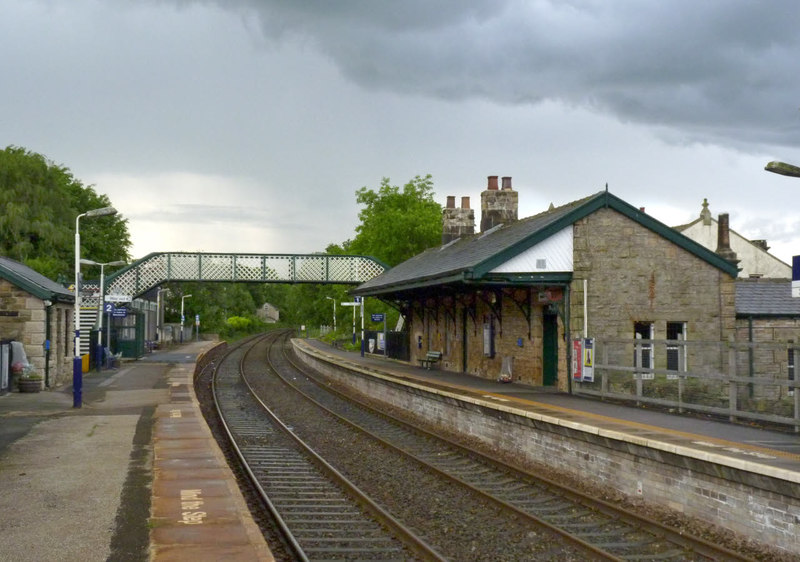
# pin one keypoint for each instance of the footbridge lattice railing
(155, 269)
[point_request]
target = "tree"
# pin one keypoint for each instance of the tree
(39, 202)
(397, 225)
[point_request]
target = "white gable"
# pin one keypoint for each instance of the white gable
(551, 255)
(753, 260)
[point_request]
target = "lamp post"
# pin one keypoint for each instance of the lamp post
(77, 363)
(334, 312)
(183, 298)
(99, 348)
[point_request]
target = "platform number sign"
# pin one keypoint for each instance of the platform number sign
(796, 276)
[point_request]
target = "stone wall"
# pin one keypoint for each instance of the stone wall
(773, 336)
(636, 275)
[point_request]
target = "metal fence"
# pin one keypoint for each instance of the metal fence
(741, 381)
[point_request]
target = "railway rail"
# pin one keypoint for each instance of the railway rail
(599, 526)
(321, 515)
(594, 528)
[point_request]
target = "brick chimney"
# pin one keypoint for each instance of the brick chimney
(724, 239)
(457, 222)
(498, 206)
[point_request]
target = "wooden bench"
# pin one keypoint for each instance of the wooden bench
(431, 358)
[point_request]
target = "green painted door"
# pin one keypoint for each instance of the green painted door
(549, 349)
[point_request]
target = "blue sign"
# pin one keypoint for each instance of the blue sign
(357, 299)
(378, 317)
(108, 307)
(795, 277)
(120, 313)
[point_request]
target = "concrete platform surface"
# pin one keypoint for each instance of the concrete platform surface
(134, 474)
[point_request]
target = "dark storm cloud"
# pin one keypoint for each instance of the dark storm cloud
(716, 71)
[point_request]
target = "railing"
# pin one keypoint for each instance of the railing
(753, 381)
(154, 269)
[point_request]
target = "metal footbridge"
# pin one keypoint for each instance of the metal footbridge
(162, 267)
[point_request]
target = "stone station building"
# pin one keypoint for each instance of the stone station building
(511, 298)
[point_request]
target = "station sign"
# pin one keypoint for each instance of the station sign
(378, 317)
(119, 312)
(796, 276)
(119, 298)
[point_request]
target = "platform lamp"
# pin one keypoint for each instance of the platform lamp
(334, 312)
(160, 316)
(77, 363)
(183, 298)
(99, 348)
(783, 169)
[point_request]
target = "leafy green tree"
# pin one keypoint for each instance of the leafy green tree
(38, 205)
(397, 224)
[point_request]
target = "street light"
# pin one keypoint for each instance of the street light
(99, 349)
(783, 169)
(77, 363)
(334, 312)
(184, 297)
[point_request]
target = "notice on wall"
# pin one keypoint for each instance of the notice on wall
(588, 360)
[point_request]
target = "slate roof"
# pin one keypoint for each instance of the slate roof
(33, 282)
(766, 297)
(471, 258)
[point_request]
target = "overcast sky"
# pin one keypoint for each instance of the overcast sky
(248, 125)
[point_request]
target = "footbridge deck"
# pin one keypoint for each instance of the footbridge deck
(157, 268)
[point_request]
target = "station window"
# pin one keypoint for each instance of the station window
(676, 352)
(643, 331)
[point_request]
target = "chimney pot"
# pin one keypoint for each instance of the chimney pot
(498, 207)
(457, 222)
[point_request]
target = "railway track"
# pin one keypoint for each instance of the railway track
(321, 515)
(597, 527)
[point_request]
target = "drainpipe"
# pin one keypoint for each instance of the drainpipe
(47, 344)
(750, 351)
(585, 309)
(568, 336)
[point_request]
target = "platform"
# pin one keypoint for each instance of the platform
(134, 474)
(759, 450)
(744, 478)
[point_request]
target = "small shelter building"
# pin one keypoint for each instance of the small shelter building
(37, 312)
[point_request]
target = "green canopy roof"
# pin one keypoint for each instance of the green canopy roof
(471, 259)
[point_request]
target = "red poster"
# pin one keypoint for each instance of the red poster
(577, 360)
